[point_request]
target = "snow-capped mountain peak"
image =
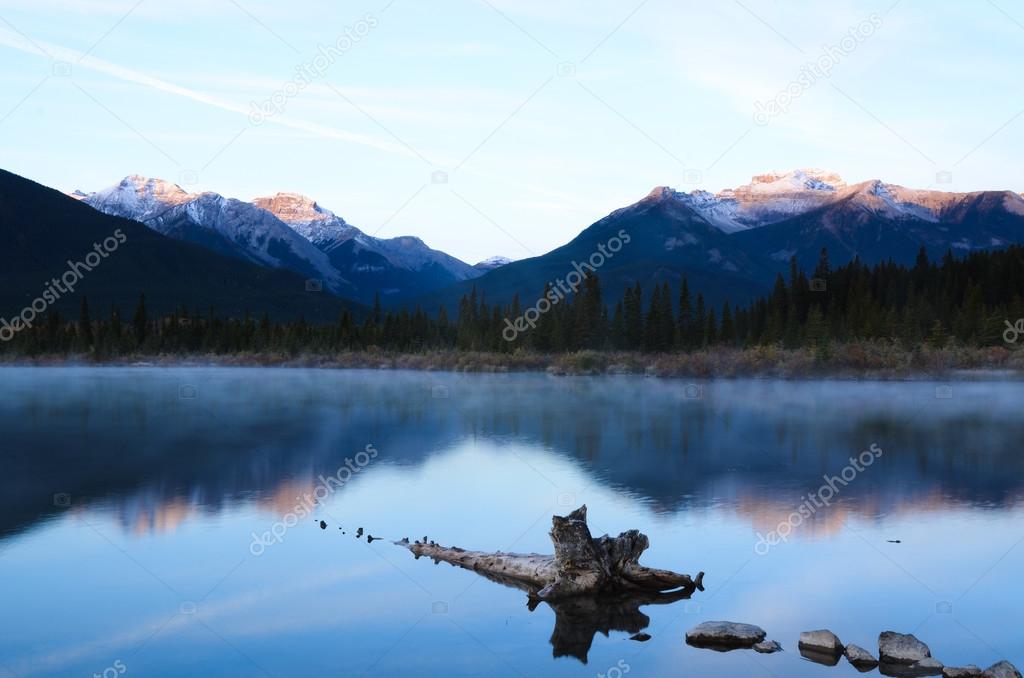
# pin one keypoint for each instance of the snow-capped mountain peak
(663, 193)
(768, 198)
(491, 263)
(293, 208)
(795, 181)
(313, 222)
(141, 197)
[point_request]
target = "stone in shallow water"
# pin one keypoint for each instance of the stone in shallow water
(860, 658)
(901, 648)
(1003, 669)
(969, 671)
(724, 635)
(821, 641)
(768, 647)
(929, 666)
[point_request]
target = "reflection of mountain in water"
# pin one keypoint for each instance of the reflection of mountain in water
(159, 443)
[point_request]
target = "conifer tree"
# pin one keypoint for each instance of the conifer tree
(85, 336)
(684, 324)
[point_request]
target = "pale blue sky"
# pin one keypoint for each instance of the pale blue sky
(649, 93)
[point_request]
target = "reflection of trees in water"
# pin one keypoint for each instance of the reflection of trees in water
(132, 436)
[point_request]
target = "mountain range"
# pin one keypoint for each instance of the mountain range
(288, 231)
(729, 245)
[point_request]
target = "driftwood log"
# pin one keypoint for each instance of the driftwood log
(581, 565)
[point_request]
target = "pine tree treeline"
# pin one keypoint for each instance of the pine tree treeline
(964, 300)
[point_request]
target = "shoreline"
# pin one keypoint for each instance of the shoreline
(872, 360)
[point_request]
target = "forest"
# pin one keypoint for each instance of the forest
(966, 301)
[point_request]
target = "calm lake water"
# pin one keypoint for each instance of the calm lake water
(153, 521)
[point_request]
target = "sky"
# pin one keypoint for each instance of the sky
(505, 127)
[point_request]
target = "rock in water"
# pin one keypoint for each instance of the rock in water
(768, 647)
(724, 635)
(1003, 669)
(900, 648)
(323, 525)
(859, 657)
(821, 641)
(969, 671)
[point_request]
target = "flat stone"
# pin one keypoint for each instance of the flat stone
(821, 641)
(724, 635)
(901, 648)
(1003, 669)
(925, 667)
(768, 647)
(859, 657)
(642, 637)
(969, 671)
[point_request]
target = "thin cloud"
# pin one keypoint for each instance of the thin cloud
(58, 53)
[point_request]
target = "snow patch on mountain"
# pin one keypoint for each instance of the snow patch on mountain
(676, 243)
(715, 257)
(1014, 204)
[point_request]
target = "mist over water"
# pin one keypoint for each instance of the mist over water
(150, 486)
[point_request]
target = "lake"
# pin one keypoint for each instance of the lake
(159, 522)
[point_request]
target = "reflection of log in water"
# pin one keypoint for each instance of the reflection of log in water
(579, 618)
(591, 584)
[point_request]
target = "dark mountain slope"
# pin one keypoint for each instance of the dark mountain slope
(663, 239)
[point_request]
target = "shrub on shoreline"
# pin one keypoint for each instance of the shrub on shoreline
(876, 359)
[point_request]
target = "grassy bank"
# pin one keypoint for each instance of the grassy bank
(884, 360)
